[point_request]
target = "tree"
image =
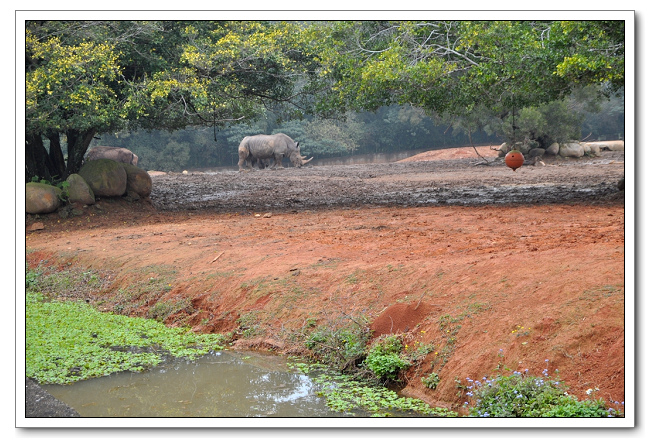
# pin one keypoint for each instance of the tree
(70, 91)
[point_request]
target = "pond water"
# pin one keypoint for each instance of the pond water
(220, 384)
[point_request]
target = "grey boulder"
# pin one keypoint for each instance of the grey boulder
(79, 192)
(41, 198)
(105, 177)
(137, 180)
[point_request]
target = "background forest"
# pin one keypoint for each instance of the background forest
(390, 129)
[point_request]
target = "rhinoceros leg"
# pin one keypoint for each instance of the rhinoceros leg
(243, 158)
(269, 163)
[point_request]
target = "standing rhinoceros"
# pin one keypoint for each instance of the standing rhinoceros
(276, 147)
(115, 153)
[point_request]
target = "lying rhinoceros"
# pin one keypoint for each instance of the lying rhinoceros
(115, 153)
(275, 147)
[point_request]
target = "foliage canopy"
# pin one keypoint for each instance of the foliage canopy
(474, 70)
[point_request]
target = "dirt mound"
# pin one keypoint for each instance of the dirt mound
(401, 318)
(455, 153)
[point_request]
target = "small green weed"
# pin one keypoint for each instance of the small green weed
(32, 278)
(164, 308)
(520, 331)
(450, 326)
(353, 278)
(418, 351)
(64, 186)
(603, 292)
(431, 381)
(249, 324)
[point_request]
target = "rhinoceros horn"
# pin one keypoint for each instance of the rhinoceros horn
(305, 161)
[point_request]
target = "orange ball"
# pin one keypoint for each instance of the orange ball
(514, 159)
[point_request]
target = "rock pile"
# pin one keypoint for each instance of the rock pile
(573, 149)
(97, 178)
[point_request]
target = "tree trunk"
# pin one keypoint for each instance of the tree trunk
(56, 154)
(78, 143)
(37, 160)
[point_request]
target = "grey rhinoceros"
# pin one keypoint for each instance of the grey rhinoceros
(115, 153)
(275, 147)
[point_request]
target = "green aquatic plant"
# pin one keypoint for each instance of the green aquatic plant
(71, 341)
(353, 396)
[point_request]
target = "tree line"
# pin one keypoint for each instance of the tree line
(178, 85)
(390, 129)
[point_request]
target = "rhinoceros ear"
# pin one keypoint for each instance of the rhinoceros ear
(297, 144)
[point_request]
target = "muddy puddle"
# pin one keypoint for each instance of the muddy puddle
(220, 384)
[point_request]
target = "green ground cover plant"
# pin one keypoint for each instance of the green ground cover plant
(69, 340)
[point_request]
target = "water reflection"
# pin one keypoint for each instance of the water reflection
(222, 384)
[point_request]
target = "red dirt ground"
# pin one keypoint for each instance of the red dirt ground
(493, 287)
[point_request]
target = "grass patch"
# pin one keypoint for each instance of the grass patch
(450, 326)
(71, 282)
(328, 263)
(164, 308)
(259, 287)
(158, 281)
(602, 292)
(250, 324)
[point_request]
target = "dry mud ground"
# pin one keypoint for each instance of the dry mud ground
(499, 269)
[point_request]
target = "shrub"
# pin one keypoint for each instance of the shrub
(520, 395)
(569, 406)
(384, 359)
(342, 348)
